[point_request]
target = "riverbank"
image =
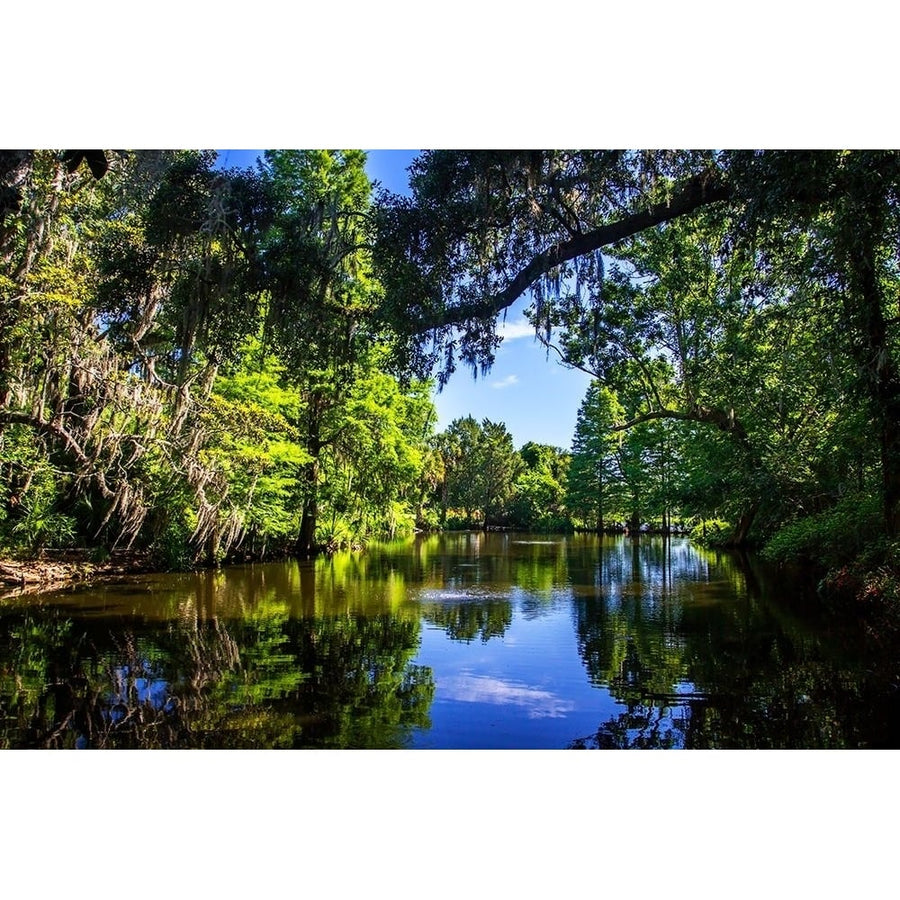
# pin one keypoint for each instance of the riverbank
(54, 569)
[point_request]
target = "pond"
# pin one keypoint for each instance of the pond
(462, 640)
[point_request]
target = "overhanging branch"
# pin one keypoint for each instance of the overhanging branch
(58, 435)
(719, 418)
(698, 191)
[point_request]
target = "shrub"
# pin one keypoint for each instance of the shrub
(455, 522)
(833, 538)
(172, 550)
(335, 534)
(41, 529)
(552, 524)
(712, 532)
(40, 522)
(430, 519)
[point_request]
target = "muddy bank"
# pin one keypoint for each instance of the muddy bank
(54, 569)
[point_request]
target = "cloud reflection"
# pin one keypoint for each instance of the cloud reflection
(484, 689)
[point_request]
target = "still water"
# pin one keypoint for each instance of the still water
(463, 640)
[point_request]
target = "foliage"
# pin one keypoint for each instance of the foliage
(189, 362)
(539, 499)
(228, 360)
(831, 538)
(480, 466)
(712, 532)
(538, 503)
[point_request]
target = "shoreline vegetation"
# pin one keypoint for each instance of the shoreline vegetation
(210, 365)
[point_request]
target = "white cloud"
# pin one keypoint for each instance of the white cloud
(505, 382)
(539, 704)
(509, 331)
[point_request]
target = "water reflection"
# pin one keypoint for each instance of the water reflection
(538, 704)
(703, 654)
(452, 640)
(214, 660)
(468, 615)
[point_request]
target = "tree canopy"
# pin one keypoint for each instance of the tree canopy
(189, 361)
(696, 260)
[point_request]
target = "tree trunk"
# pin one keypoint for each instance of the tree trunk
(890, 462)
(742, 529)
(4, 363)
(872, 350)
(600, 522)
(306, 542)
(445, 492)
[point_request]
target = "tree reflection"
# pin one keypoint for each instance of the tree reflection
(362, 690)
(639, 728)
(471, 618)
(266, 680)
(688, 644)
(697, 666)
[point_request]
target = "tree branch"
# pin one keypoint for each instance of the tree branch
(563, 359)
(724, 421)
(58, 434)
(698, 191)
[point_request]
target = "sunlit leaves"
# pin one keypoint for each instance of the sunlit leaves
(481, 467)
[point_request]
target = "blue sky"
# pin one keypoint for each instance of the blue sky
(537, 398)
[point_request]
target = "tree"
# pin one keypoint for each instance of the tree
(374, 468)
(316, 276)
(540, 490)
(484, 228)
(459, 445)
(253, 439)
(498, 464)
(481, 466)
(101, 360)
(593, 445)
(186, 356)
